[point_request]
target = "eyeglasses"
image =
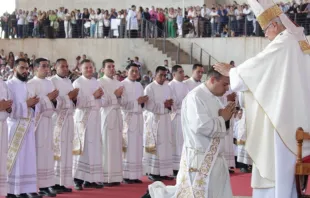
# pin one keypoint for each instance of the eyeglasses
(267, 28)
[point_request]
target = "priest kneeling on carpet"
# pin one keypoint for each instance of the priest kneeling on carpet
(203, 169)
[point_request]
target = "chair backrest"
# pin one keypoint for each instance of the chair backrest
(301, 135)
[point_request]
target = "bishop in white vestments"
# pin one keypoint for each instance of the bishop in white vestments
(157, 157)
(180, 90)
(111, 126)
(21, 163)
(195, 80)
(276, 97)
(63, 127)
(203, 168)
(5, 109)
(87, 143)
(44, 89)
(132, 103)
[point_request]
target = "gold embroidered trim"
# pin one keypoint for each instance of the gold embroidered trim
(16, 142)
(240, 142)
(269, 14)
(151, 135)
(79, 135)
(127, 119)
(200, 183)
(305, 47)
(57, 133)
(151, 150)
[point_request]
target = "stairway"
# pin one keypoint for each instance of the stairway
(171, 50)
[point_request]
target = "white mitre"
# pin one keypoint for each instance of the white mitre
(266, 10)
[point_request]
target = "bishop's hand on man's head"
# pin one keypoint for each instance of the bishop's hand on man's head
(222, 68)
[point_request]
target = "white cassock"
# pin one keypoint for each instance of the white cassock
(157, 156)
(63, 132)
(203, 168)
(242, 155)
(111, 130)
(132, 129)
(22, 178)
(179, 90)
(44, 111)
(229, 138)
(192, 83)
(276, 96)
(132, 22)
(87, 143)
(4, 95)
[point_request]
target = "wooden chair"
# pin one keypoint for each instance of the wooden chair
(302, 169)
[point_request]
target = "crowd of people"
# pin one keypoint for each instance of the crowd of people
(196, 21)
(91, 129)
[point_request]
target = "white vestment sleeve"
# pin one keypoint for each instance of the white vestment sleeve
(19, 109)
(236, 83)
(127, 105)
(63, 102)
(202, 123)
(153, 106)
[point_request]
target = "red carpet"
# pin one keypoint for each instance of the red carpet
(240, 185)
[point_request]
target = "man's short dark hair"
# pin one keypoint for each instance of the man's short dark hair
(175, 68)
(59, 60)
(20, 60)
(38, 61)
(196, 65)
(106, 61)
(160, 68)
(86, 61)
(213, 73)
(132, 65)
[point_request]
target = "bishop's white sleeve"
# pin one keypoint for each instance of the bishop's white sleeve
(236, 83)
(201, 122)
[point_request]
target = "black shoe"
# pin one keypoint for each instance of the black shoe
(231, 171)
(33, 195)
(166, 178)
(46, 192)
(154, 177)
(116, 183)
(99, 185)
(128, 181)
(108, 184)
(95, 185)
(137, 181)
(175, 172)
(244, 170)
(65, 189)
(78, 186)
(11, 196)
(146, 195)
(88, 185)
(56, 189)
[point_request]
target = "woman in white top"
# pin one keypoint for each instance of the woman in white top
(214, 21)
(100, 23)
(93, 20)
(67, 24)
(240, 21)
